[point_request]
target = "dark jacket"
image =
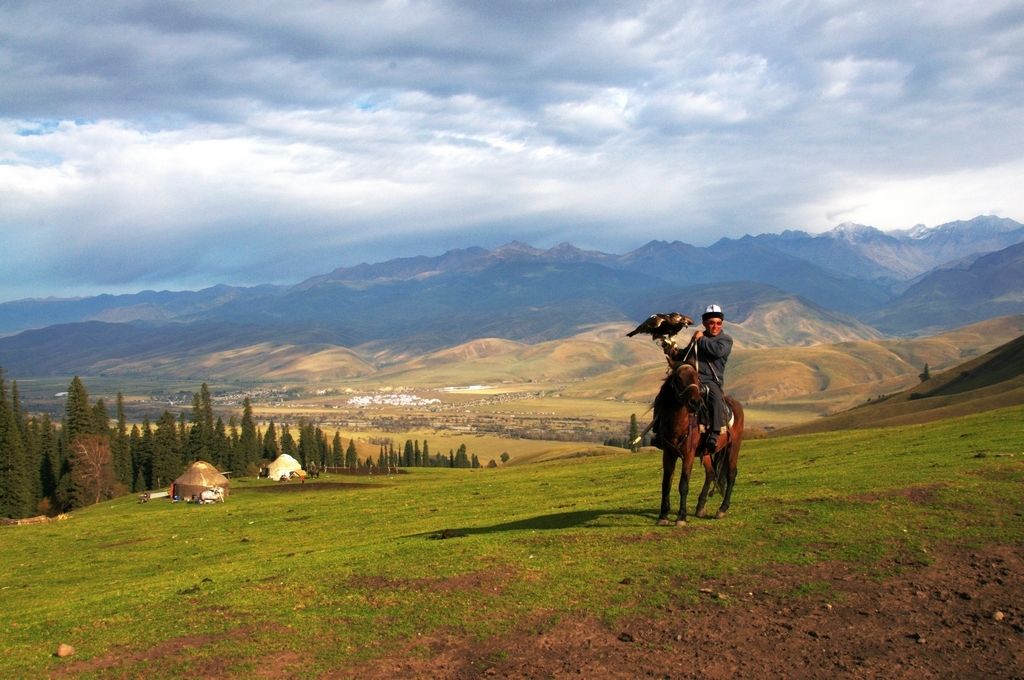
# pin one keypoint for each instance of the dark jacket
(712, 353)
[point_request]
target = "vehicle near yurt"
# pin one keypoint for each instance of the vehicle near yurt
(199, 480)
(284, 467)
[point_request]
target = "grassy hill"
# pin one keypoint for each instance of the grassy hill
(991, 381)
(321, 579)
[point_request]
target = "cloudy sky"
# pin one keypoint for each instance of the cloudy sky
(178, 145)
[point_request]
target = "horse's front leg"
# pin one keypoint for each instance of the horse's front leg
(709, 477)
(684, 486)
(668, 467)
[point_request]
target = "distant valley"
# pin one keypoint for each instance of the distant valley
(518, 313)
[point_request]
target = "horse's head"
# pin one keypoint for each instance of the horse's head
(685, 383)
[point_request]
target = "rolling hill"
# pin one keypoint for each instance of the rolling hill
(993, 380)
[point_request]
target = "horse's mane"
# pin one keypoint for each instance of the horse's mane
(679, 378)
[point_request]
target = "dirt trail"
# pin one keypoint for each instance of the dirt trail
(960, 616)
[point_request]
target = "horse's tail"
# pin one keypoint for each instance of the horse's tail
(720, 464)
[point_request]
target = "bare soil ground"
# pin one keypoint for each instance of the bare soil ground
(961, 615)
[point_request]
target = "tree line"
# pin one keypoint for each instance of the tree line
(90, 456)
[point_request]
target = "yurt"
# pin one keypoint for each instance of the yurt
(199, 477)
(283, 467)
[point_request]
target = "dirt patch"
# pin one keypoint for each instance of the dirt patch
(961, 615)
(290, 487)
(123, 658)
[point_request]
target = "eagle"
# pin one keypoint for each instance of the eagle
(662, 325)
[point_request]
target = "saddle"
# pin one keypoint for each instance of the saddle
(705, 413)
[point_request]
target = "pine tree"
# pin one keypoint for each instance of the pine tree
(409, 453)
(134, 446)
(233, 432)
(15, 487)
(49, 465)
(337, 453)
(101, 418)
(287, 441)
(19, 415)
(351, 456)
(461, 457)
(166, 453)
(78, 417)
(142, 457)
(426, 454)
(206, 420)
(196, 447)
(271, 450)
(221, 446)
(323, 448)
(120, 447)
(248, 443)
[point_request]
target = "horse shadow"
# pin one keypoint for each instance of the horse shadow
(591, 519)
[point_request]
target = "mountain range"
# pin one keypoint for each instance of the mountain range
(854, 282)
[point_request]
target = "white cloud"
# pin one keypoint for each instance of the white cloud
(162, 143)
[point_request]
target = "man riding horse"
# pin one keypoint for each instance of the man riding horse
(713, 347)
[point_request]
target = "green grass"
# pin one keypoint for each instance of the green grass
(164, 589)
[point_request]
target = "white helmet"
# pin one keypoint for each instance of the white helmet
(712, 311)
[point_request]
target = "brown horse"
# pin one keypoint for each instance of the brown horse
(677, 417)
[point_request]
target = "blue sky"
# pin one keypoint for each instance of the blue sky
(179, 145)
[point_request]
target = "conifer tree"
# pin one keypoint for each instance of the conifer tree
(15, 487)
(307, 445)
(19, 416)
(409, 453)
(101, 418)
(337, 453)
(166, 454)
(206, 420)
(120, 447)
(233, 431)
(142, 457)
(32, 441)
(78, 418)
(197, 444)
(351, 457)
(248, 443)
(183, 435)
(221, 447)
(287, 441)
(48, 460)
(426, 454)
(135, 445)
(324, 448)
(271, 449)
(417, 459)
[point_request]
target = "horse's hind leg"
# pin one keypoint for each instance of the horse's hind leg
(706, 489)
(727, 496)
(668, 467)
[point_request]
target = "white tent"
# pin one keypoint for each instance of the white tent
(284, 466)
